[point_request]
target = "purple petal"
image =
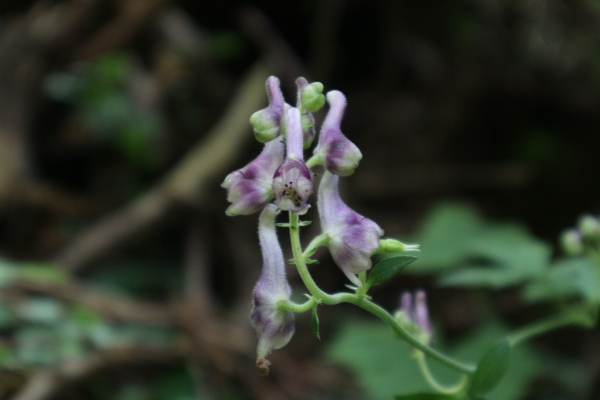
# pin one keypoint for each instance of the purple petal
(353, 238)
(341, 156)
(249, 189)
(274, 328)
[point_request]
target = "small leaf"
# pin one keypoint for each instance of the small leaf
(46, 273)
(315, 323)
(425, 396)
(387, 268)
(490, 370)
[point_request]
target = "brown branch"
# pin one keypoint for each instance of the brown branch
(111, 305)
(50, 382)
(187, 183)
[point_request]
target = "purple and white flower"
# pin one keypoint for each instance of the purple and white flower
(292, 182)
(339, 155)
(274, 328)
(352, 237)
(249, 189)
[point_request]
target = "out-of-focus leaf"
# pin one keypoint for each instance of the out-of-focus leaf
(490, 370)
(479, 253)
(47, 273)
(445, 236)
(7, 317)
(425, 396)
(41, 310)
(385, 367)
(7, 273)
(387, 268)
(37, 345)
(570, 277)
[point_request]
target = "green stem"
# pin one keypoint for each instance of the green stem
(459, 387)
(571, 317)
(362, 302)
(287, 305)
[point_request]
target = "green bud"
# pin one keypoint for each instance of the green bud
(572, 242)
(265, 124)
(312, 97)
(589, 227)
(395, 246)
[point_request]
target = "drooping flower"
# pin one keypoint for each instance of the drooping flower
(310, 99)
(267, 122)
(352, 237)
(249, 189)
(339, 155)
(274, 328)
(292, 182)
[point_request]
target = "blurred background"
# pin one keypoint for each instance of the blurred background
(122, 278)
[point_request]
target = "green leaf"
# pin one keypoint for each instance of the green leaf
(425, 396)
(315, 323)
(385, 368)
(570, 277)
(387, 268)
(490, 370)
(47, 273)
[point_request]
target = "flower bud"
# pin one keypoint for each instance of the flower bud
(274, 328)
(267, 122)
(249, 189)
(292, 182)
(309, 97)
(352, 237)
(572, 242)
(413, 315)
(340, 155)
(589, 227)
(394, 246)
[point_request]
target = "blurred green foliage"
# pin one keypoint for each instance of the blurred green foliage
(464, 250)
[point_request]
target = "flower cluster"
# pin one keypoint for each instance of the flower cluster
(280, 179)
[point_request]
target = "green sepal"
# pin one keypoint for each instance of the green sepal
(311, 261)
(304, 223)
(387, 268)
(490, 370)
(314, 323)
(282, 224)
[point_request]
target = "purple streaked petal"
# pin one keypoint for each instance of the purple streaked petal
(353, 238)
(340, 155)
(292, 181)
(274, 328)
(267, 122)
(249, 189)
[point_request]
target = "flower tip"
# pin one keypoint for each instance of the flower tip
(262, 364)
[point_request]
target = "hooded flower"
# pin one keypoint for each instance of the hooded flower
(267, 122)
(339, 154)
(352, 237)
(275, 328)
(249, 189)
(292, 182)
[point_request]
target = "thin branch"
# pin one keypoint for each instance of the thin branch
(48, 383)
(109, 304)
